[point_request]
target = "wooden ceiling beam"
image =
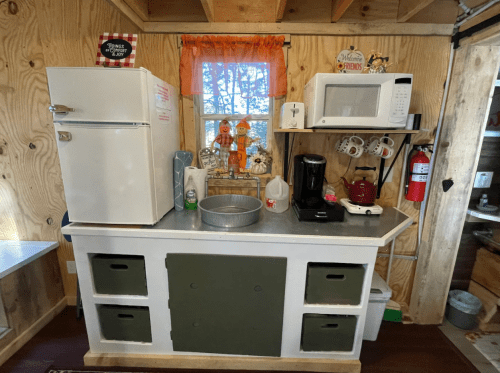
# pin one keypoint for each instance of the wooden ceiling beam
(408, 8)
(299, 28)
(280, 9)
(128, 12)
(208, 7)
(339, 7)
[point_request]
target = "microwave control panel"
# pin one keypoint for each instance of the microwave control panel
(400, 101)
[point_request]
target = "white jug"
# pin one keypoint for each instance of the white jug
(277, 192)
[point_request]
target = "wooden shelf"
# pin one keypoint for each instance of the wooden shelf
(343, 130)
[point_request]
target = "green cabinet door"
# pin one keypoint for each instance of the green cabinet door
(226, 304)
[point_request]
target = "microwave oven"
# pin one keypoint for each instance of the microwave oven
(357, 100)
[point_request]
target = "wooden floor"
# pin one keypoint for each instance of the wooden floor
(399, 348)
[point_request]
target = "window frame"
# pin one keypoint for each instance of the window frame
(201, 118)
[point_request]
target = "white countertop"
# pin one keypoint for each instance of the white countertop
(15, 254)
(281, 228)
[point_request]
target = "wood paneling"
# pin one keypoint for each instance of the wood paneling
(306, 11)
(429, 77)
(297, 28)
(409, 8)
(32, 290)
(371, 11)
(180, 11)
(475, 69)
(488, 13)
(49, 33)
(440, 11)
(486, 271)
(244, 11)
(489, 317)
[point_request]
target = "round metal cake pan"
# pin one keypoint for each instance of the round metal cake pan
(230, 210)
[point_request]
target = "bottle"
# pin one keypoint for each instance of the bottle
(277, 193)
(483, 202)
(191, 202)
(329, 194)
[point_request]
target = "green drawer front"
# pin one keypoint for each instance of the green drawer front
(226, 304)
(328, 332)
(119, 274)
(125, 323)
(334, 283)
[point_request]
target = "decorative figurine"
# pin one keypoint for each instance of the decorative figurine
(224, 139)
(376, 63)
(268, 158)
(243, 141)
(258, 164)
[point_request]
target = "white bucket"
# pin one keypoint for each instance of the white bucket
(277, 192)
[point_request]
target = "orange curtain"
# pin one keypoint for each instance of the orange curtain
(231, 49)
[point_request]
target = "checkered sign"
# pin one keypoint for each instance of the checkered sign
(117, 50)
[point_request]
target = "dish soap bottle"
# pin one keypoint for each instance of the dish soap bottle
(191, 203)
(483, 202)
(277, 192)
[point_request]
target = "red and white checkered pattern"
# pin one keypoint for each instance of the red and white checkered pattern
(124, 62)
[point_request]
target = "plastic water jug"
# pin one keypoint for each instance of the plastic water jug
(277, 192)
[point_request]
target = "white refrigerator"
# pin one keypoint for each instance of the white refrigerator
(117, 130)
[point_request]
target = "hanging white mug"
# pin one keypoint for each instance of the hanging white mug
(380, 148)
(341, 143)
(353, 147)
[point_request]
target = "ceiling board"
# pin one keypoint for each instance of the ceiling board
(308, 11)
(254, 11)
(371, 11)
(488, 13)
(339, 9)
(440, 11)
(208, 7)
(317, 28)
(280, 9)
(176, 11)
(408, 8)
(140, 7)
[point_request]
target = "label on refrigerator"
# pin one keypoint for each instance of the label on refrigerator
(162, 96)
(163, 115)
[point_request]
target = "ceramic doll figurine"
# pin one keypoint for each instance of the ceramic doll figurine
(224, 139)
(243, 141)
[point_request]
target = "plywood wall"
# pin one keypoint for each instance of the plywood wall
(51, 33)
(427, 59)
(65, 33)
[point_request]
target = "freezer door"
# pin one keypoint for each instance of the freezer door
(97, 94)
(107, 173)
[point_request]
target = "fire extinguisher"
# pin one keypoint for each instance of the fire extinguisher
(417, 173)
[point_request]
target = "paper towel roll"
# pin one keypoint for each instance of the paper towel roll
(198, 176)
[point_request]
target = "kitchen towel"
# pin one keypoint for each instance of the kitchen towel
(181, 161)
(198, 179)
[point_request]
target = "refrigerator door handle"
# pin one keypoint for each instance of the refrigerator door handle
(60, 109)
(64, 135)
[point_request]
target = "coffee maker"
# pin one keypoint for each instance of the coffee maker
(308, 202)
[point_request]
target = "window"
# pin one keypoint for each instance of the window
(232, 82)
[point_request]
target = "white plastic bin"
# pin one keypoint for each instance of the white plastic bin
(380, 293)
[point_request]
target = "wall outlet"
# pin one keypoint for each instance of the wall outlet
(483, 179)
(71, 266)
(389, 178)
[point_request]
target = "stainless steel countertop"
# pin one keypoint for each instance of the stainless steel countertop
(271, 227)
